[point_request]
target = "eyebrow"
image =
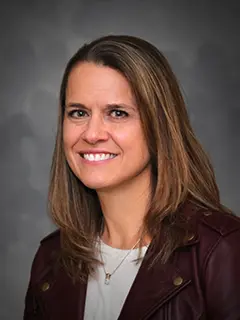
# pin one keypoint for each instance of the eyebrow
(108, 106)
(75, 105)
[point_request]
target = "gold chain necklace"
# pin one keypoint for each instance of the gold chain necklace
(108, 275)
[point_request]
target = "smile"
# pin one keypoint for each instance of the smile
(98, 156)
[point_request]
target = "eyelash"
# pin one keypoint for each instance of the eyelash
(72, 112)
(124, 113)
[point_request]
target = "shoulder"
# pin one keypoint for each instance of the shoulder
(46, 255)
(208, 227)
(219, 236)
(52, 238)
(220, 222)
(206, 220)
(51, 243)
(216, 233)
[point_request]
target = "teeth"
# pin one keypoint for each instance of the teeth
(98, 156)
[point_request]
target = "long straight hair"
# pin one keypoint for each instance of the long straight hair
(181, 170)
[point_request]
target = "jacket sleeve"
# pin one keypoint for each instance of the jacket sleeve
(222, 279)
(31, 309)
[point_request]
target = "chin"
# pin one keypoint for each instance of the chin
(96, 185)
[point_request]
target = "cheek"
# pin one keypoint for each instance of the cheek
(70, 134)
(132, 140)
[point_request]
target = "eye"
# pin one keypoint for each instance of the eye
(77, 113)
(119, 113)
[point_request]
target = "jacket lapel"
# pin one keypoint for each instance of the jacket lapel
(73, 304)
(155, 286)
(151, 289)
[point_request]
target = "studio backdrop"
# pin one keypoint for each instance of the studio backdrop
(201, 41)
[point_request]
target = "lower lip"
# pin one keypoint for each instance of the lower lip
(96, 162)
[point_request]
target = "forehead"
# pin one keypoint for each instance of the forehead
(88, 82)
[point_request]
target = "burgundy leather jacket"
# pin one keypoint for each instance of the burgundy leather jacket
(202, 281)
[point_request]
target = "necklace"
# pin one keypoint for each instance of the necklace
(108, 275)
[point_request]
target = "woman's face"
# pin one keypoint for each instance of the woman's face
(102, 132)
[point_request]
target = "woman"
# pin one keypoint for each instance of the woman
(141, 230)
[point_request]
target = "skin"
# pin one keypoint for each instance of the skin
(101, 116)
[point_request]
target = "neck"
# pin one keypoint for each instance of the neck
(124, 209)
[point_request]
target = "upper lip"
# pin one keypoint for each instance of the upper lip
(95, 151)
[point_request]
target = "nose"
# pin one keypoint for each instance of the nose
(95, 131)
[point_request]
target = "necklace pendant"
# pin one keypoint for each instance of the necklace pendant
(107, 278)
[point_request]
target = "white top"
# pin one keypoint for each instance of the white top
(104, 302)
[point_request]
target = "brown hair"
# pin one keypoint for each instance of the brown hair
(180, 168)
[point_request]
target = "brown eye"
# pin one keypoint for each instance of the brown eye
(119, 113)
(77, 113)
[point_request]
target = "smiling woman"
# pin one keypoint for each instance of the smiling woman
(99, 134)
(142, 233)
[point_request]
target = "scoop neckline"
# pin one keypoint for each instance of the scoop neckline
(110, 248)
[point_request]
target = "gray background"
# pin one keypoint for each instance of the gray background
(201, 40)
